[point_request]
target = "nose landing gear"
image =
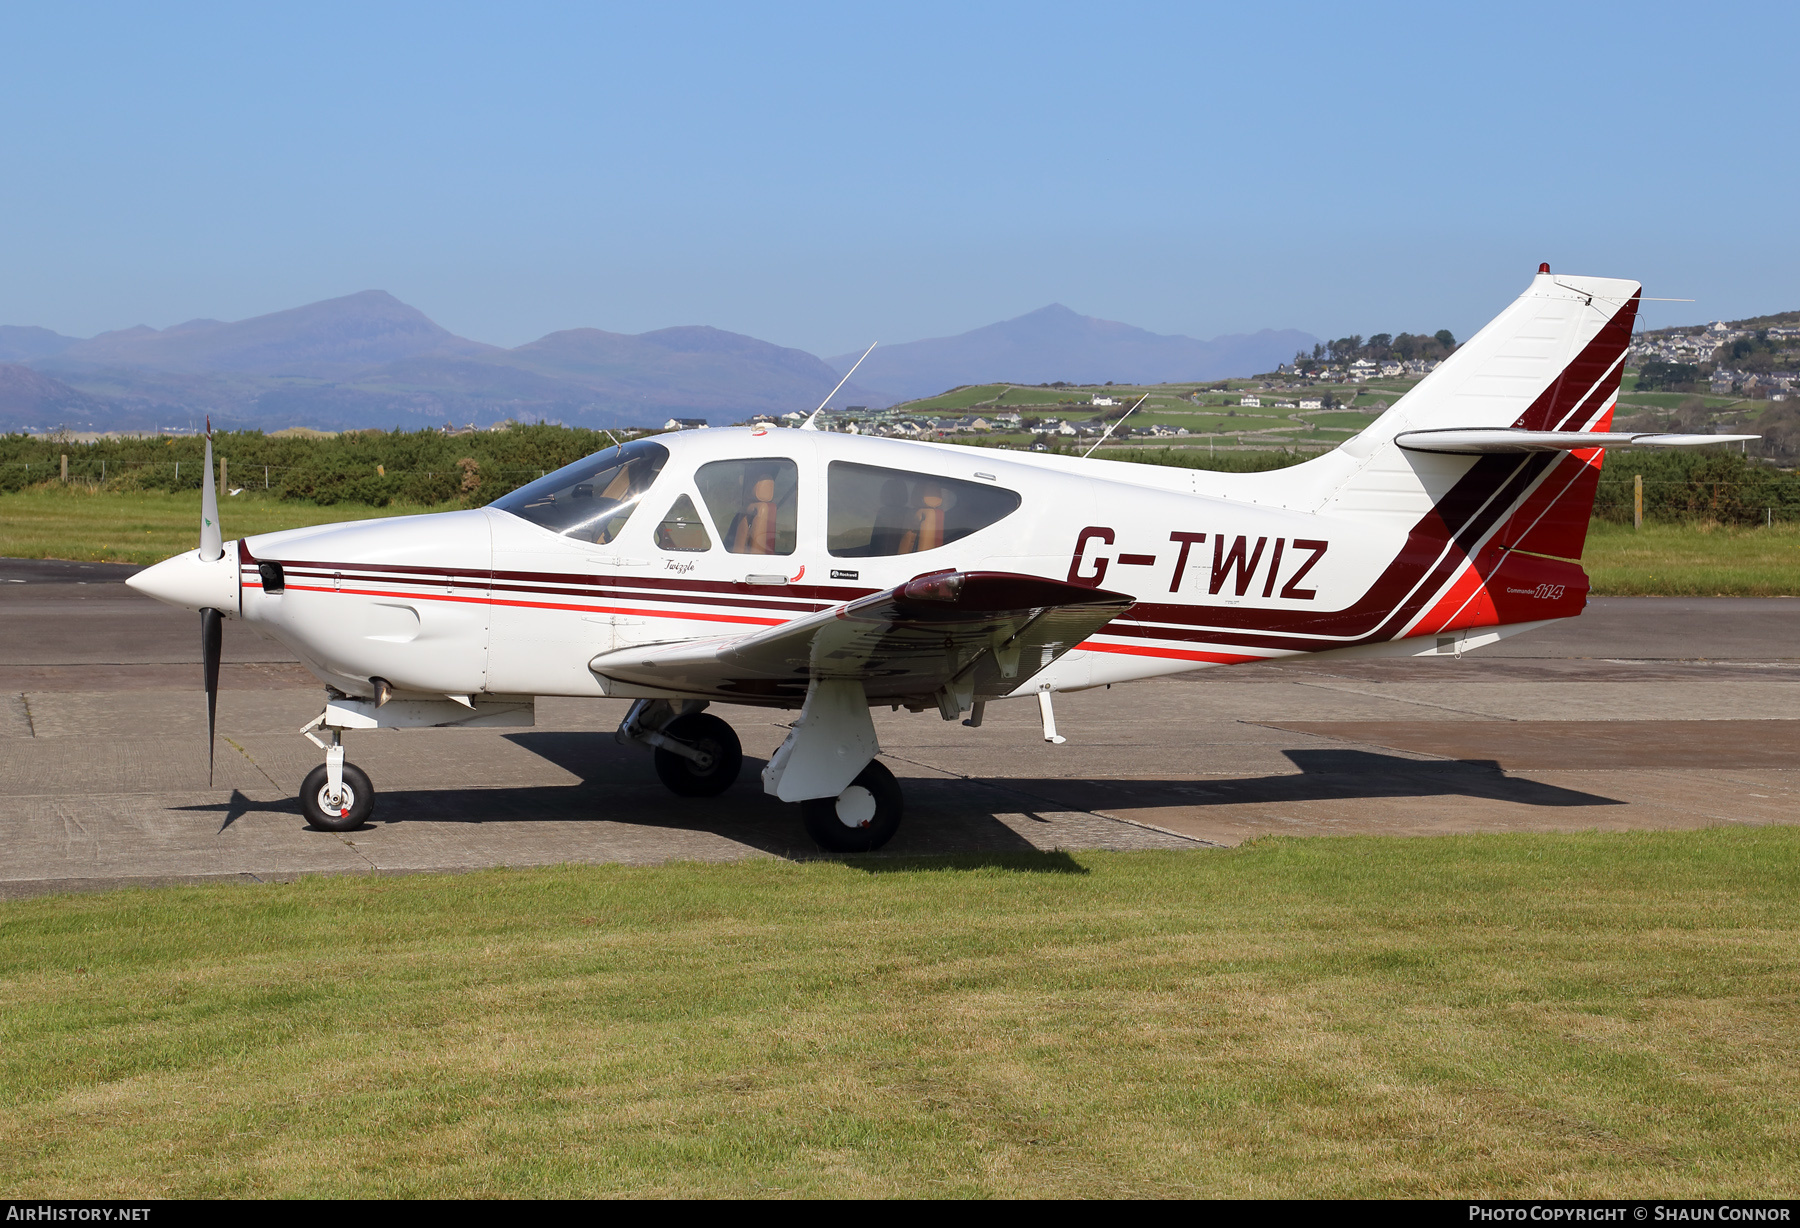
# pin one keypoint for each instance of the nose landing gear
(345, 808)
(336, 796)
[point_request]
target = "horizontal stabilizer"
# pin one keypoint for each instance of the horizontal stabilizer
(1482, 440)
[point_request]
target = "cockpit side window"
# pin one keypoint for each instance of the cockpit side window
(592, 499)
(682, 529)
(873, 512)
(753, 503)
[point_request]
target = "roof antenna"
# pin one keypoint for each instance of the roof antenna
(811, 424)
(1109, 430)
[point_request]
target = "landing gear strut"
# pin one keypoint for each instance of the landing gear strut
(336, 796)
(696, 755)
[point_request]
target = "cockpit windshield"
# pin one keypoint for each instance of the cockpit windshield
(592, 499)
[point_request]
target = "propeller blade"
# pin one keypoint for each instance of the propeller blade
(212, 542)
(211, 636)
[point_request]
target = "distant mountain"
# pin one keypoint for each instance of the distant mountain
(24, 344)
(1054, 343)
(31, 399)
(329, 339)
(703, 371)
(369, 360)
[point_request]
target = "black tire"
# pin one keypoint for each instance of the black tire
(708, 733)
(361, 799)
(827, 817)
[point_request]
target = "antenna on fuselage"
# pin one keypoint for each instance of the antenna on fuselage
(811, 423)
(1109, 430)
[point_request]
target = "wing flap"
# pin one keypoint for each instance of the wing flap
(982, 633)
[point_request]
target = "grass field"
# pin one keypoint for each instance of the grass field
(76, 522)
(145, 526)
(1692, 560)
(1531, 1016)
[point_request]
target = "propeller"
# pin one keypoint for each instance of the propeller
(212, 548)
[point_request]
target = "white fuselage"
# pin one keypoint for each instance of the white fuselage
(487, 602)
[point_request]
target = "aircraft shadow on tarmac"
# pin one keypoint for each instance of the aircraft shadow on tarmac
(1330, 775)
(944, 816)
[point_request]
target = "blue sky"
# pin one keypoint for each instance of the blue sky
(827, 175)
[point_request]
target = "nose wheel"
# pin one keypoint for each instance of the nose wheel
(347, 807)
(862, 818)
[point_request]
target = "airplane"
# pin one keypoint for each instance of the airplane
(830, 573)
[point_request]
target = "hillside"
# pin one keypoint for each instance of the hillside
(28, 396)
(369, 360)
(333, 338)
(24, 344)
(1055, 343)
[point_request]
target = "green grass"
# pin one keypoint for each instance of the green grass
(959, 400)
(1692, 560)
(79, 522)
(1524, 1016)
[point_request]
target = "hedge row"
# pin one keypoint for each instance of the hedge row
(425, 467)
(369, 467)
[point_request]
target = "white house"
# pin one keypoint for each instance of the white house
(1100, 400)
(1251, 401)
(1311, 403)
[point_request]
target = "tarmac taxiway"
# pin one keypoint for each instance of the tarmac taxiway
(1643, 713)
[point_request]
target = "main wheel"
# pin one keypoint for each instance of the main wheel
(862, 818)
(353, 808)
(706, 733)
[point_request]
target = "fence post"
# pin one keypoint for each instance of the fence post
(65, 466)
(224, 483)
(1637, 501)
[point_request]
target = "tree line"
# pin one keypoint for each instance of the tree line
(375, 468)
(1381, 347)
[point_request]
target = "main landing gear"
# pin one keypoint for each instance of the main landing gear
(696, 755)
(862, 818)
(849, 802)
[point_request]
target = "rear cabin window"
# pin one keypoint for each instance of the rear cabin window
(592, 499)
(753, 503)
(875, 513)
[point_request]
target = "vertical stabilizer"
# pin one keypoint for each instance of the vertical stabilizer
(1551, 361)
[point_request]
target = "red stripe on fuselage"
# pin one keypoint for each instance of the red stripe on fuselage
(1173, 654)
(545, 605)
